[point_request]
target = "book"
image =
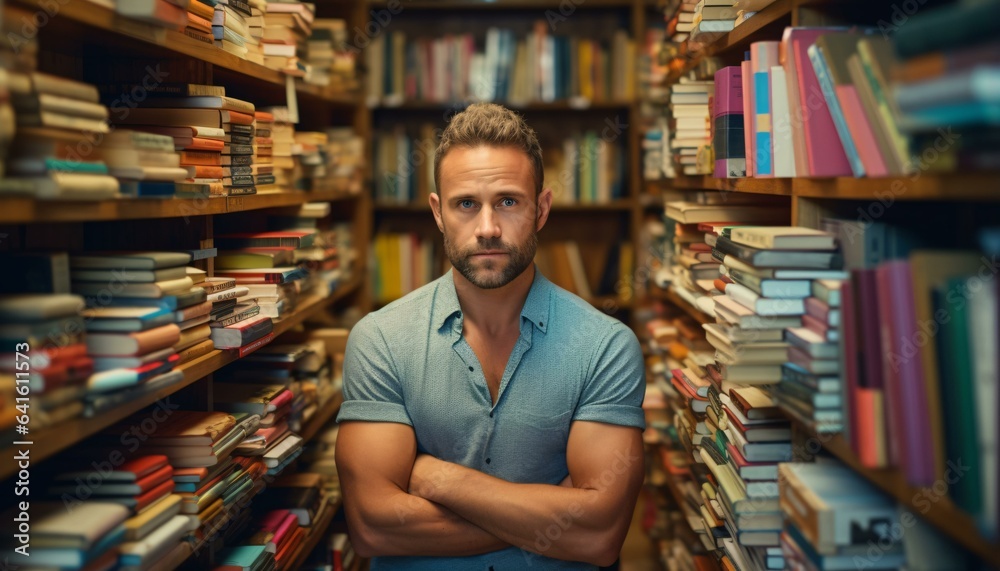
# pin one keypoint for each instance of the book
(240, 334)
(783, 238)
(774, 259)
(129, 260)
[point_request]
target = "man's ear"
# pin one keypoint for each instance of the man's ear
(543, 209)
(435, 203)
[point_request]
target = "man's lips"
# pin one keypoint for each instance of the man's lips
(490, 253)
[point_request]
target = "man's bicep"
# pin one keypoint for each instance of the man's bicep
(375, 457)
(607, 459)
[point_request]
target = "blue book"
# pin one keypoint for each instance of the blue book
(148, 188)
(829, 93)
(763, 162)
(244, 556)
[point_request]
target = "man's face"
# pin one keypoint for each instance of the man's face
(488, 213)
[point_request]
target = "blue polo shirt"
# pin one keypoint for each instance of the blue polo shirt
(409, 363)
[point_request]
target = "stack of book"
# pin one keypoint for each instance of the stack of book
(199, 21)
(194, 321)
(693, 228)
(934, 84)
(247, 557)
(273, 442)
(213, 496)
(279, 532)
(810, 389)
(282, 142)
(712, 20)
(52, 327)
(88, 536)
(144, 485)
(331, 64)
(263, 154)
(264, 262)
(690, 110)
(145, 164)
(303, 369)
(232, 33)
(201, 146)
(300, 494)
(323, 259)
(286, 26)
(345, 152)
(310, 162)
(131, 337)
(56, 119)
(834, 517)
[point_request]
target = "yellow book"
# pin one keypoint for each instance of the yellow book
(586, 61)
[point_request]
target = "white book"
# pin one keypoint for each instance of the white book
(781, 125)
(764, 306)
(983, 335)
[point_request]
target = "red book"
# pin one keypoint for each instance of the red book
(152, 495)
(903, 373)
(251, 347)
(139, 468)
(204, 144)
(195, 158)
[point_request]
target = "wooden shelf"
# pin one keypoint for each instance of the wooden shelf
(22, 210)
(51, 440)
(669, 296)
(505, 4)
(948, 187)
(108, 21)
(422, 207)
(778, 14)
(941, 187)
(942, 513)
(316, 532)
(777, 186)
(532, 106)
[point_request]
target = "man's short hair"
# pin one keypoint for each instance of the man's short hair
(494, 126)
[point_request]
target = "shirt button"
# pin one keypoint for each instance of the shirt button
(487, 460)
(541, 324)
(471, 369)
(491, 415)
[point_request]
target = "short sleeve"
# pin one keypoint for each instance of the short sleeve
(371, 385)
(617, 382)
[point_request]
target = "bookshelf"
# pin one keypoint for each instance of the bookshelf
(90, 42)
(949, 207)
(82, 19)
(930, 187)
(50, 441)
(551, 119)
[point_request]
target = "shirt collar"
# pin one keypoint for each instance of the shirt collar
(535, 310)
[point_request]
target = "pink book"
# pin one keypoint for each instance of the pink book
(814, 324)
(281, 399)
(728, 91)
(288, 525)
(861, 131)
(749, 124)
(825, 153)
(906, 397)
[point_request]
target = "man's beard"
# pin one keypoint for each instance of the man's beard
(518, 259)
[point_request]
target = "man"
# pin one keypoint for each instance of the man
(490, 420)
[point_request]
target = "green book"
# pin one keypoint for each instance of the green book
(958, 396)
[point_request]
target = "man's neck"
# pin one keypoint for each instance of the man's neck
(494, 310)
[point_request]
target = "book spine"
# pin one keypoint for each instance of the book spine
(253, 346)
(825, 155)
(242, 316)
(762, 56)
(825, 81)
(749, 118)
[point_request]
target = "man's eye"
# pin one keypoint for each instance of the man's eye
(508, 202)
(466, 204)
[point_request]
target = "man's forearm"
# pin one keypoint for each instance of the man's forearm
(405, 524)
(555, 521)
